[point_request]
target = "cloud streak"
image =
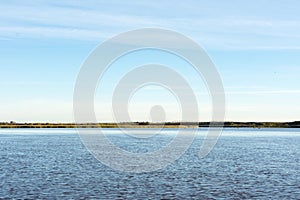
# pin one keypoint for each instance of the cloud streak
(93, 24)
(267, 92)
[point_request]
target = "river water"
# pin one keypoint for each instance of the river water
(245, 164)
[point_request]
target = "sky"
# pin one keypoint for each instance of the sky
(255, 45)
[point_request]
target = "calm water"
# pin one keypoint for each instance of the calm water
(245, 164)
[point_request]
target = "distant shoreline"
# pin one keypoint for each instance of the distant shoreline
(295, 124)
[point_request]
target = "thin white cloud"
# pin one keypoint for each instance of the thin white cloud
(82, 23)
(52, 32)
(263, 92)
(31, 83)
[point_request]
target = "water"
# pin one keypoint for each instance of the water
(245, 164)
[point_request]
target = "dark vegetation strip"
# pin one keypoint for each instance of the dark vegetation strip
(12, 124)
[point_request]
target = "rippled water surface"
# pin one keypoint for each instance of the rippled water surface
(245, 164)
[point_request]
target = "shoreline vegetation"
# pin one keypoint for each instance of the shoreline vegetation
(12, 124)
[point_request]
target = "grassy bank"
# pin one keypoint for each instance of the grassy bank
(295, 124)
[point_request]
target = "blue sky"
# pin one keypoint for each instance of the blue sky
(255, 45)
